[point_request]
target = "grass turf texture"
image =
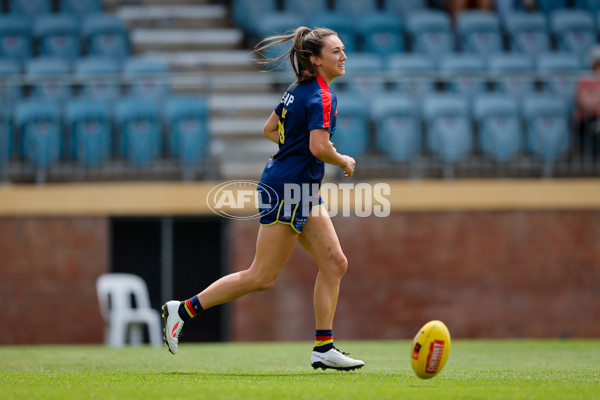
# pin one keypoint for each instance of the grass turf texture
(479, 369)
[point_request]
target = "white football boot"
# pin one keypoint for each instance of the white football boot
(334, 359)
(173, 325)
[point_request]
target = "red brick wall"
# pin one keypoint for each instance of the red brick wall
(486, 274)
(48, 270)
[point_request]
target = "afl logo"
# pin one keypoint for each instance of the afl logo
(243, 199)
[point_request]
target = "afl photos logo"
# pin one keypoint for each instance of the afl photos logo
(241, 199)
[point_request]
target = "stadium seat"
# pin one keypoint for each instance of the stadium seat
(499, 123)
(246, 12)
(340, 24)
(414, 73)
(276, 23)
(10, 92)
(449, 131)
(305, 8)
(138, 123)
(380, 33)
(527, 33)
(355, 9)
(57, 36)
(589, 5)
(397, 127)
(6, 136)
(559, 72)
(105, 36)
(547, 126)
(363, 69)
(147, 77)
(401, 8)
(40, 125)
(549, 6)
(48, 77)
(15, 37)
(464, 73)
(512, 74)
(430, 33)
(80, 8)
(187, 128)
(352, 127)
(574, 30)
(479, 32)
(99, 77)
(89, 125)
(125, 306)
(30, 8)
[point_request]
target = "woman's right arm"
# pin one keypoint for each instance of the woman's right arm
(271, 128)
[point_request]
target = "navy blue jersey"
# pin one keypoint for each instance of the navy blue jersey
(304, 106)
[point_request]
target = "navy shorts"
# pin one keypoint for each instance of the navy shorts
(274, 208)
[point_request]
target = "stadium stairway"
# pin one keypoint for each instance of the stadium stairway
(197, 37)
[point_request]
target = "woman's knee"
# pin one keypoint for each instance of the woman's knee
(337, 265)
(259, 282)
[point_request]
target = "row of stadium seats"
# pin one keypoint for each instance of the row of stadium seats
(96, 77)
(34, 8)
(431, 31)
(92, 132)
(498, 127)
(244, 11)
(63, 36)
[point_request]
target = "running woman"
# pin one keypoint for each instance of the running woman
(302, 125)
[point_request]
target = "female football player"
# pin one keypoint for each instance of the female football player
(301, 124)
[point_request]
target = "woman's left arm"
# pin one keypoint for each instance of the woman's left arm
(271, 128)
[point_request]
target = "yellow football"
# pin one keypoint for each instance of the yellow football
(430, 349)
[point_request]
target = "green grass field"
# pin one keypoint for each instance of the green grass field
(480, 369)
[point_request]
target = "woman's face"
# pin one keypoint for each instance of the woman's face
(330, 63)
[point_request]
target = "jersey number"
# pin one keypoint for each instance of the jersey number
(280, 127)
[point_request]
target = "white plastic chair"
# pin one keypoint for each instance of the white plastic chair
(115, 294)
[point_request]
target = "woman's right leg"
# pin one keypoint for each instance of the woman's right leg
(273, 247)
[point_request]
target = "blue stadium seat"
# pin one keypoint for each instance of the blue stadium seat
(6, 135)
(362, 81)
(499, 123)
(105, 36)
(246, 12)
(138, 123)
(98, 76)
(574, 30)
(89, 125)
(464, 73)
(479, 32)
(352, 127)
(58, 36)
(401, 8)
(81, 8)
(147, 77)
(414, 73)
(547, 126)
(10, 93)
(589, 5)
(276, 23)
(340, 24)
(48, 77)
(15, 37)
(355, 9)
(40, 125)
(527, 33)
(380, 33)
(30, 8)
(449, 131)
(559, 74)
(305, 8)
(510, 73)
(397, 127)
(187, 130)
(430, 33)
(549, 6)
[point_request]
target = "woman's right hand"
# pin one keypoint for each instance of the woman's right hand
(349, 167)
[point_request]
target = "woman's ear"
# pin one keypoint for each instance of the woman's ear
(315, 61)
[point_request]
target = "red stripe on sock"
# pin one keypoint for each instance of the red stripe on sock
(190, 307)
(322, 338)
